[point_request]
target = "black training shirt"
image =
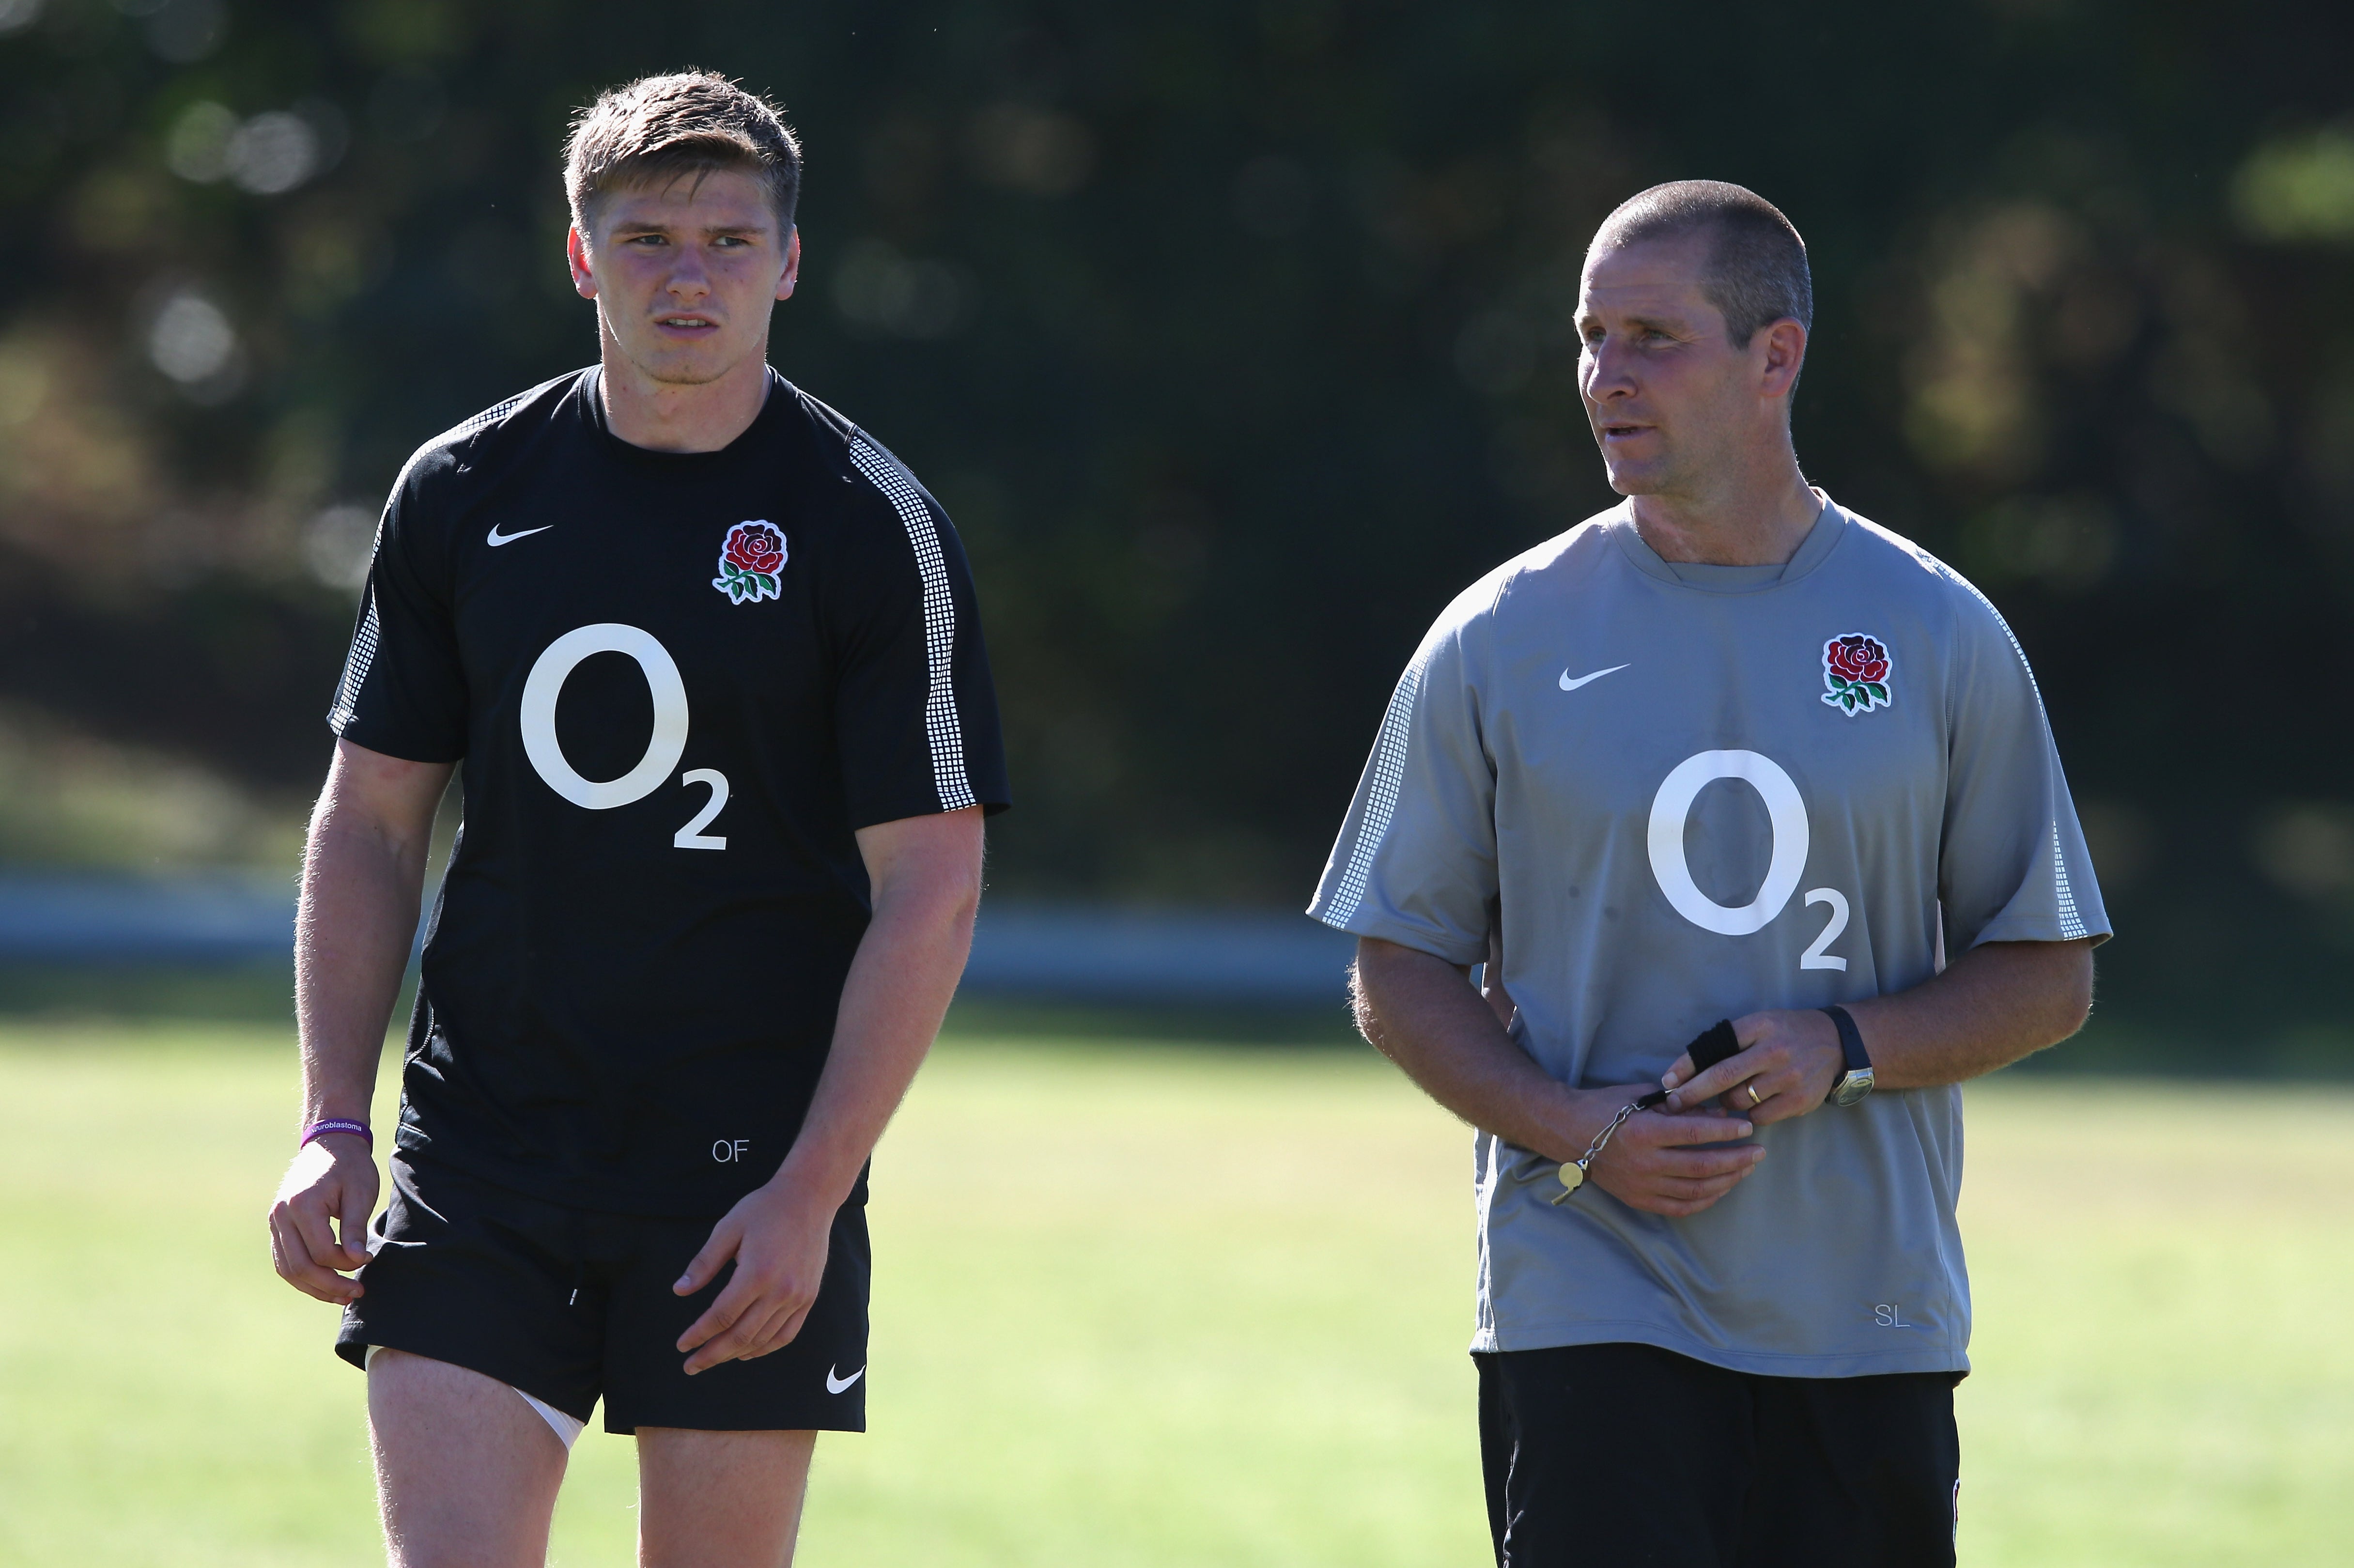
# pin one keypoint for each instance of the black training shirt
(679, 682)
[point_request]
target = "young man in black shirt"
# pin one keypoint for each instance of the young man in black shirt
(711, 658)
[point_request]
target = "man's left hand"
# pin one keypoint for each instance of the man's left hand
(1786, 1067)
(779, 1238)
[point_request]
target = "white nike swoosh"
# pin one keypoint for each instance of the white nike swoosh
(498, 538)
(835, 1385)
(1569, 686)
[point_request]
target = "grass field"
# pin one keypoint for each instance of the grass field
(1138, 1304)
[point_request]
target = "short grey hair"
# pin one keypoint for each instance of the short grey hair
(1756, 272)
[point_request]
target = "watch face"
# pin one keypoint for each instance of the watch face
(1852, 1088)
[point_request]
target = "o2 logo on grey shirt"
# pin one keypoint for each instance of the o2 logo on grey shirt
(1787, 812)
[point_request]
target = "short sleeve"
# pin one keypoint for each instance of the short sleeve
(1415, 860)
(2012, 866)
(404, 689)
(915, 709)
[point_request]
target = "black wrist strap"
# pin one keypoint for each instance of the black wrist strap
(1850, 1040)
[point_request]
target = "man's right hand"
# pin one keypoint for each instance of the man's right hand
(1661, 1163)
(331, 1186)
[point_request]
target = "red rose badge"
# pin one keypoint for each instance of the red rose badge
(1855, 668)
(751, 563)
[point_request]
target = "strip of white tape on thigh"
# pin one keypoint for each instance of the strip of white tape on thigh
(568, 1429)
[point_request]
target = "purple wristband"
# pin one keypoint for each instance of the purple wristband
(319, 1129)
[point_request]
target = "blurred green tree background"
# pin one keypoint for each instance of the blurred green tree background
(1236, 337)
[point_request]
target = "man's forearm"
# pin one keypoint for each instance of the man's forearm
(352, 936)
(1419, 1011)
(898, 990)
(362, 868)
(1991, 1006)
(1422, 1013)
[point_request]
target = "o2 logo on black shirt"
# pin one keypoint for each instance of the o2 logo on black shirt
(666, 745)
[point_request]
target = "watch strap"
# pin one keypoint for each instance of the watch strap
(1850, 1040)
(1854, 1084)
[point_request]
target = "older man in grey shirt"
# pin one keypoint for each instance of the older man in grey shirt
(1727, 751)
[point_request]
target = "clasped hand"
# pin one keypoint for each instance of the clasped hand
(1679, 1159)
(1785, 1068)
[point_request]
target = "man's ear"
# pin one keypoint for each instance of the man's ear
(1780, 356)
(792, 265)
(576, 253)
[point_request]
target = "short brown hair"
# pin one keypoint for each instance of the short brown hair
(1756, 272)
(659, 128)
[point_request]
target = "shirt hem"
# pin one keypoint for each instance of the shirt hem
(2039, 930)
(1769, 1364)
(929, 806)
(564, 1189)
(1380, 931)
(400, 750)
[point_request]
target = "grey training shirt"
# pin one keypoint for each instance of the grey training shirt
(1681, 793)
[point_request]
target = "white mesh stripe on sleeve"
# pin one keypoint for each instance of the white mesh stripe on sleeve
(1380, 798)
(942, 728)
(355, 670)
(363, 654)
(2072, 924)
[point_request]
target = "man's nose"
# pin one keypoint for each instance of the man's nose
(1606, 371)
(687, 276)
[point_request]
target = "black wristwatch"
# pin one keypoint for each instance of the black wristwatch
(1856, 1081)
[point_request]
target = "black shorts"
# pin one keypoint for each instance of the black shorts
(1625, 1454)
(572, 1305)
